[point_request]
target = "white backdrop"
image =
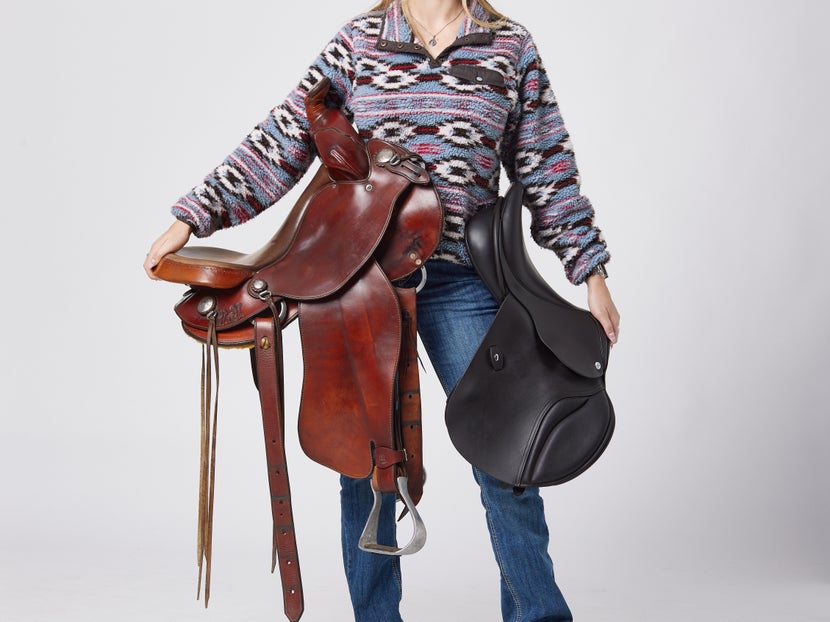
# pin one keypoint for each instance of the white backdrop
(701, 134)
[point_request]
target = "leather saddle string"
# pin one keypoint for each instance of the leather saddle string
(204, 545)
(268, 368)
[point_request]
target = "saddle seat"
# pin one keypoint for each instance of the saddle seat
(330, 233)
(220, 268)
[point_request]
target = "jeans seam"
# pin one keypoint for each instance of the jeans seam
(497, 551)
(396, 571)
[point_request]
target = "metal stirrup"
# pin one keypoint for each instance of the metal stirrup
(369, 538)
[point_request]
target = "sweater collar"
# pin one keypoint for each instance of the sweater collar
(396, 30)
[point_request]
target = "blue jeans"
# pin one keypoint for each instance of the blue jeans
(455, 310)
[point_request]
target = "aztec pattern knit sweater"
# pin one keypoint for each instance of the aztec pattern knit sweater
(484, 102)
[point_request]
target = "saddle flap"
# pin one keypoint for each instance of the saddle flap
(519, 414)
(573, 334)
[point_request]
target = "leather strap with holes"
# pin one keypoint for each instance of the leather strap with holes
(409, 394)
(269, 378)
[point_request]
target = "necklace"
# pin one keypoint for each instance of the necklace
(433, 42)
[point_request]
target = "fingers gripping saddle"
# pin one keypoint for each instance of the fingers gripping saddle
(370, 216)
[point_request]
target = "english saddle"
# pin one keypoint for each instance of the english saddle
(531, 409)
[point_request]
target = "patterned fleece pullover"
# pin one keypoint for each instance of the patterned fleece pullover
(483, 102)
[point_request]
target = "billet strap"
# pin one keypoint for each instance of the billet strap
(268, 369)
(207, 470)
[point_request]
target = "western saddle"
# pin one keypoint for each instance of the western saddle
(369, 218)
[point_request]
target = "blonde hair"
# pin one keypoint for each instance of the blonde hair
(497, 19)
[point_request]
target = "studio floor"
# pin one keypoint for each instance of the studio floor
(159, 586)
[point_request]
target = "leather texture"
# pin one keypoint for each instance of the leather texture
(347, 398)
(369, 217)
(268, 374)
(531, 409)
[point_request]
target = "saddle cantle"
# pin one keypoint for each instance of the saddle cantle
(369, 217)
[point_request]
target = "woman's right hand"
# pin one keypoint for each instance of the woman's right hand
(168, 242)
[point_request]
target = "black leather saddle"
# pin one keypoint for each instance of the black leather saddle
(531, 409)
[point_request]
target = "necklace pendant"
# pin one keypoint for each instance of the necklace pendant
(433, 42)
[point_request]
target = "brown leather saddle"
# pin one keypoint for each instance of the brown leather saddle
(369, 217)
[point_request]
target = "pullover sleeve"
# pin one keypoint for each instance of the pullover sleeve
(537, 151)
(274, 156)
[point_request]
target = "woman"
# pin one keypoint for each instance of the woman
(462, 86)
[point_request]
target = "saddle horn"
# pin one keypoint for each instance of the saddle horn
(338, 143)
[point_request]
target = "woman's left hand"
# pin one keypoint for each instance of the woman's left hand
(170, 241)
(602, 307)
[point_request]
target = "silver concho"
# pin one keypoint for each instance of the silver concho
(206, 305)
(386, 156)
(259, 286)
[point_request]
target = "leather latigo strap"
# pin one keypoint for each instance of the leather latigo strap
(409, 396)
(268, 371)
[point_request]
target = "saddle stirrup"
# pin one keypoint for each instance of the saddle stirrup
(369, 538)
